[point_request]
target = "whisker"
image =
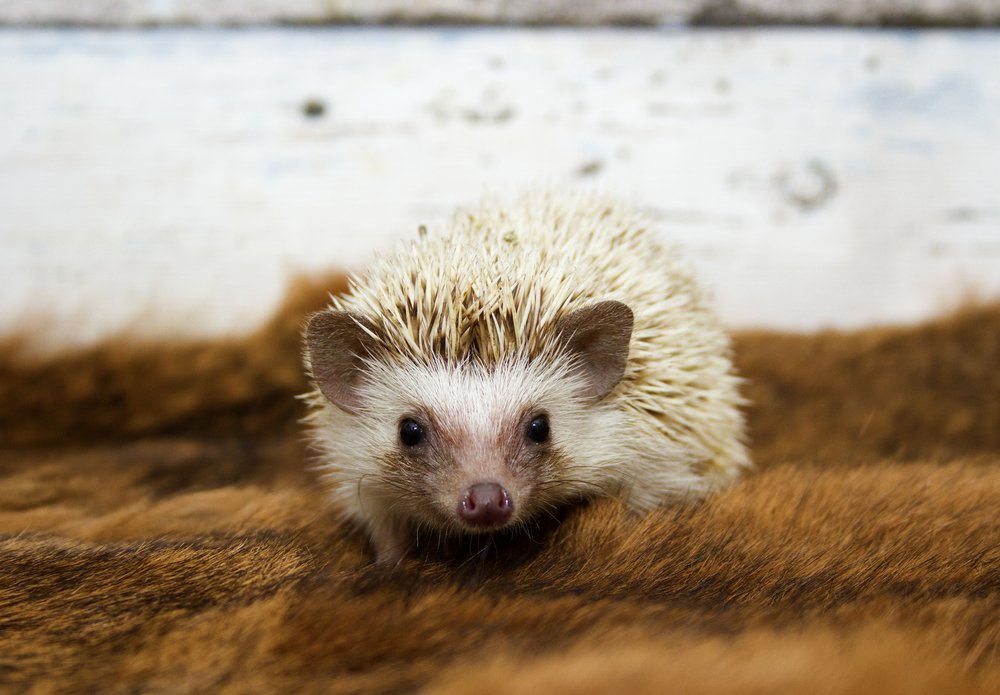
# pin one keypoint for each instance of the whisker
(476, 554)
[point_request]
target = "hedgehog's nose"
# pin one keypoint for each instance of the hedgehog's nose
(485, 504)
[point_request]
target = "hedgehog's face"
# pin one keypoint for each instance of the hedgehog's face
(472, 447)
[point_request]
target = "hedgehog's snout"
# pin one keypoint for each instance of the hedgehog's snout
(485, 505)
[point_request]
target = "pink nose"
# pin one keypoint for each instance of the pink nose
(485, 504)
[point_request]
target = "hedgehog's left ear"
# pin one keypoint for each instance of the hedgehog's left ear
(598, 336)
(337, 345)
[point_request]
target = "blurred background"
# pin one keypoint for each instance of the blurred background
(167, 166)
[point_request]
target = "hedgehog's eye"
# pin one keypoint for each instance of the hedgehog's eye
(410, 432)
(538, 429)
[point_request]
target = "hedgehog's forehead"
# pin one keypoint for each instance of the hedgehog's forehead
(470, 393)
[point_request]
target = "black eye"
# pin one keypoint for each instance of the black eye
(538, 429)
(410, 432)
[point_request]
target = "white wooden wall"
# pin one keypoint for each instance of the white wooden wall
(169, 182)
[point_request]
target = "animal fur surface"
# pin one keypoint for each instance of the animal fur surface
(160, 533)
(559, 309)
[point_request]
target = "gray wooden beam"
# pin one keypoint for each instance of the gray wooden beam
(133, 13)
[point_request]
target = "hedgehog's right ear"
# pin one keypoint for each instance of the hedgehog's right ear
(598, 335)
(336, 345)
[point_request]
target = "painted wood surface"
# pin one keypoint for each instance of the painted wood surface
(169, 182)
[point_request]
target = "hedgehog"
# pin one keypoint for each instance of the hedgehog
(521, 358)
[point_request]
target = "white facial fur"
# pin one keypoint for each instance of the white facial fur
(475, 423)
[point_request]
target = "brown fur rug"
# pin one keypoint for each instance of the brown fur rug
(161, 532)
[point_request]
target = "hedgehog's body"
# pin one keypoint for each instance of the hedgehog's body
(479, 375)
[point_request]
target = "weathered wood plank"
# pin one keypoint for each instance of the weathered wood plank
(171, 181)
(560, 12)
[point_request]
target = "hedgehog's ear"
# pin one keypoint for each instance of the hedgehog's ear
(337, 344)
(598, 335)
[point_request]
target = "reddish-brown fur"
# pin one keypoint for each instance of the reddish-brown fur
(161, 532)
